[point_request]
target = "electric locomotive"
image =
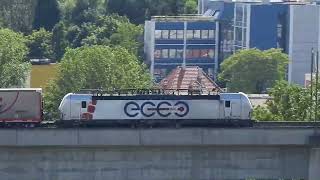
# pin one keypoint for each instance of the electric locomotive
(152, 107)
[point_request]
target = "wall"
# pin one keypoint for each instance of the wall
(154, 154)
(153, 163)
(303, 36)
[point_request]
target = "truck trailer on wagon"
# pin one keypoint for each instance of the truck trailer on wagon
(21, 106)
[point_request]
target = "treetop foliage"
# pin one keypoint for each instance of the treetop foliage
(13, 65)
(40, 44)
(136, 10)
(47, 14)
(253, 70)
(94, 67)
(289, 103)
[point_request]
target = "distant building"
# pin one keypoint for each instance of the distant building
(291, 26)
(234, 25)
(181, 41)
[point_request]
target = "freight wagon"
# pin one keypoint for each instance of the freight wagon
(20, 106)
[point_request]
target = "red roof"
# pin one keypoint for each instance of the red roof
(189, 77)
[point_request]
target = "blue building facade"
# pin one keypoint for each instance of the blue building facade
(179, 41)
(261, 26)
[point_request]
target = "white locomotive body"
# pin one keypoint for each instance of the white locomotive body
(223, 108)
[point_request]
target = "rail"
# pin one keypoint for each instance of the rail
(262, 124)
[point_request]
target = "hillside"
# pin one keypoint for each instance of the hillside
(17, 14)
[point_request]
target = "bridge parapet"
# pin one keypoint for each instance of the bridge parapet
(153, 154)
(161, 137)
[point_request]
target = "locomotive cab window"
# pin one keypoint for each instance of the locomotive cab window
(227, 104)
(83, 104)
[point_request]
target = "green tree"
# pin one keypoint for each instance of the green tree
(140, 10)
(190, 7)
(110, 30)
(127, 35)
(289, 103)
(59, 41)
(86, 11)
(135, 10)
(253, 71)
(47, 14)
(40, 44)
(95, 67)
(13, 65)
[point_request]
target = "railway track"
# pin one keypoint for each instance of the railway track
(286, 124)
(256, 124)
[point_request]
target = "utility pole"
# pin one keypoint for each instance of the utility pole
(316, 93)
(311, 83)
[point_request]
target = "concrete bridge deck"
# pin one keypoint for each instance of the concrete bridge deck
(160, 137)
(195, 153)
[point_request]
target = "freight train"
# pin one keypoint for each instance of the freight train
(131, 107)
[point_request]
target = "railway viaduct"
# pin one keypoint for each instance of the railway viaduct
(160, 154)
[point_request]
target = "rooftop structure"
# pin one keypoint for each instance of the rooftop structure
(182, 18)
(189, 78)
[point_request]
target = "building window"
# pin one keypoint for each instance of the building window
(204, 34)
(244, 40)
(211, 34)
(189, 53)
(165, 34)
(227, 104)
(179, 34)
(238, 34)
(239, 14)
(245, 15)
(196, 53)
(204, 53)
(210, 72)
(189, 34)
(157, 53)
(179, 53)
(211, 53)
(172, 53)
(157, 34)
(164, 53)
(196, 34)
(200, 53)
(173, 34)
(279, 30)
